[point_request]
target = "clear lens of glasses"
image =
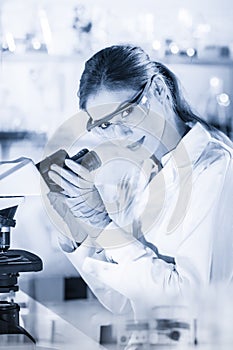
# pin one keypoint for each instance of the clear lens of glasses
(132, 115)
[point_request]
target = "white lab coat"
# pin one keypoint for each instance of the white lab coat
(188, 216)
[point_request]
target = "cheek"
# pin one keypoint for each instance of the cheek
(153, 129)
(153, 126)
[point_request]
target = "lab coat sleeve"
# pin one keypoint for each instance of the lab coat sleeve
(137, 271)
(111, 299)
(206, 248)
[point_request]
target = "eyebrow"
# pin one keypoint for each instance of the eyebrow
(117, 108)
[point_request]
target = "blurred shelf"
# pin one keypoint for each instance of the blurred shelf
(44, 57)
(40, 57)
(12, 136)
(7, 138)
(198, 61)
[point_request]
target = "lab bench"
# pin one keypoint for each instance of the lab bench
(50, 330)
(75, 325)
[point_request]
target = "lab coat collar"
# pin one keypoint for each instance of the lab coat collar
(189, 148)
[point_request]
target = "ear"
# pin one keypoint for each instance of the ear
(160, 89)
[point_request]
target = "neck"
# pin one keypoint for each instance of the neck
(173, 133)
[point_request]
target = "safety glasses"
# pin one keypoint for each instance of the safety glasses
(130, 112)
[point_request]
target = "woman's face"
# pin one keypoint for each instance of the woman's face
(137, 125)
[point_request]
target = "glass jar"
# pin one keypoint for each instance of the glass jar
(172, 325)
(133, 335)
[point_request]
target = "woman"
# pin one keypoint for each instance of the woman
(180, 239)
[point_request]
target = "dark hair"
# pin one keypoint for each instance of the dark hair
(126, 66)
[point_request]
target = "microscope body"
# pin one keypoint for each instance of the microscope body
(13, 261)
(13, 189)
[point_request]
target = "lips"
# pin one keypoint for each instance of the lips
(137, 144)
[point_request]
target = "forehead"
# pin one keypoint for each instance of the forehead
(106, 101)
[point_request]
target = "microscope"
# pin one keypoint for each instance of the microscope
(13, 188)
(20, 178)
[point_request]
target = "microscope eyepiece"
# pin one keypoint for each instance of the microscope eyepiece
(88, 159)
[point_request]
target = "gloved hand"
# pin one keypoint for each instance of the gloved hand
(81, 196)
(122, 185)
(76, 233)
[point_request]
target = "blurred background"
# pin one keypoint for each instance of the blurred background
(43, 47)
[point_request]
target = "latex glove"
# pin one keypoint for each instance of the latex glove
(81, 196)
(77, 231)
(122, 185)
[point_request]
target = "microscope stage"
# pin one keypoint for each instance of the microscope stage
(15, 260)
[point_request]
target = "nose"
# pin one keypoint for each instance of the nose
(123, 130)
